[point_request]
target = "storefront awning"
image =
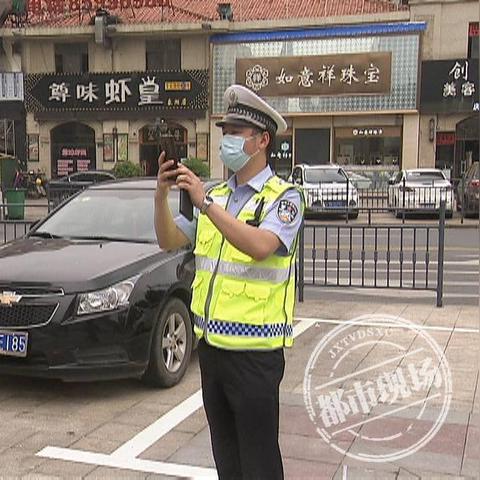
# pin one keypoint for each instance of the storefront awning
(324, 32)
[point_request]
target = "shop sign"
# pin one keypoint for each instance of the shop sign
(367, 132)
(342, 74)
(284, 150)
(449, 85)
(73, 159)
(11, 87)
(473, 29)
(445, 138)
(129, 91)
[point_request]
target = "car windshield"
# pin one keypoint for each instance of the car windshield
(424, 176)
(123, 215)
(324, 175)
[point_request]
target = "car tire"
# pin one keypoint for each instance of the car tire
(449, 214)
(353, 215)
(171, 346)
(398, 213)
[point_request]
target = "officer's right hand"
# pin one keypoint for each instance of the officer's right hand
(165, 177)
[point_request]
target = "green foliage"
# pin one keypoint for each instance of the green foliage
(127, 169)
(198, 167)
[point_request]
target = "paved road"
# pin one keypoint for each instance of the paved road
(412, 262)
(110, 430)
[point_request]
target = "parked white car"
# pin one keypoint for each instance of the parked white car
(420, 191)
(327, 189)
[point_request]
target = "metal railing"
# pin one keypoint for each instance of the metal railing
(14, 229)
(57, 193)
(400, 256)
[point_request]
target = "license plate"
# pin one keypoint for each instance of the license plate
(13, 344)
(335, 204)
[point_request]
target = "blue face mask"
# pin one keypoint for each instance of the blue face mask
(232, 153)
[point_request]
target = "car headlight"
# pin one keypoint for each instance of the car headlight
(107, 299)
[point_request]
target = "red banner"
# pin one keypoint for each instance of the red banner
(445, 138)
(473, 29)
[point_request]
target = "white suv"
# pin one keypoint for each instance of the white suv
(327, 189)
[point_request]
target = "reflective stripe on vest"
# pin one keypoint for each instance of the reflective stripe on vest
(234, 328)
(240, 270)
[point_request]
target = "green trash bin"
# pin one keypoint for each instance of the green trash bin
(8, 169)
(15, 200)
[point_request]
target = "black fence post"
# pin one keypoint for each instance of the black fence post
(462, 197)
(301, 262)
(441, 253)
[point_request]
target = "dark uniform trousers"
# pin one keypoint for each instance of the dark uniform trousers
(240, 395)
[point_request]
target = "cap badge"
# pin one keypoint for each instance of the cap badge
(232, 98)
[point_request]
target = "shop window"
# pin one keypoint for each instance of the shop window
(445, 150)
(7, 137)
(312, 146)
(281, 156)
(71, 57)
(368, 147)
(164, 54)
(473, 40)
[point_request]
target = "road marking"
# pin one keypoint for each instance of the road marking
(125, 456)
(138, 464)
(384, 291)
(382, 261)
(146, 438)
(315, 320)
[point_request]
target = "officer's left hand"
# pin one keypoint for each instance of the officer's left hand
(189, 181)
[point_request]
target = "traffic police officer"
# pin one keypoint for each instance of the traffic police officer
(245, 237)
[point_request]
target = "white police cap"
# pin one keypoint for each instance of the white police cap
(243, 107)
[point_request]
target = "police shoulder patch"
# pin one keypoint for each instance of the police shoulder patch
(287, 211)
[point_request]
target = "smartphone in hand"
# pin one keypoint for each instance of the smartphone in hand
(171, 153)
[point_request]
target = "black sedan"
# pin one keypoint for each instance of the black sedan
(88, 294)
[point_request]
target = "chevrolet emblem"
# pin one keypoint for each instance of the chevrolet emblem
(8, 298)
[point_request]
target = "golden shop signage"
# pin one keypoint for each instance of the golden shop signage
(341, 74)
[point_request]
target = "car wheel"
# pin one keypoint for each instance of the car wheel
(398, 213)
(171, 345)
(353, 215)
(449, 214)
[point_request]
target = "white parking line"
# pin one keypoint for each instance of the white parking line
(314, 320)
(125, 457)
(146, 438)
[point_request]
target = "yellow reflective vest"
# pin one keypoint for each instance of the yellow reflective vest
(240, 303)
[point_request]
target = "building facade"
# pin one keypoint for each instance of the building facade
(90, 106)
(348, 92)
(448, 133)
(12, 111)
(352, 79)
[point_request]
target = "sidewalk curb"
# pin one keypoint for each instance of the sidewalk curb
(471, 227)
